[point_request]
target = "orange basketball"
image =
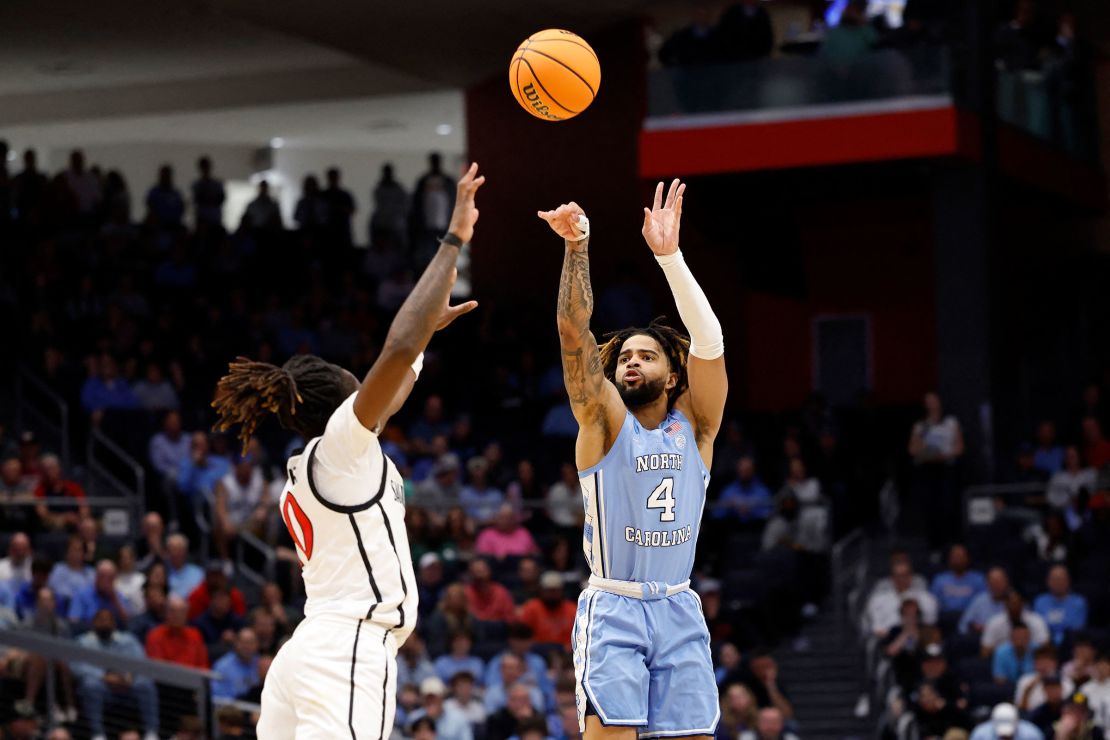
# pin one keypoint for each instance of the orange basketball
(554, 75)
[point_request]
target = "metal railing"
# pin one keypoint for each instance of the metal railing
(848, 560)
(38, 407)
(106, 460)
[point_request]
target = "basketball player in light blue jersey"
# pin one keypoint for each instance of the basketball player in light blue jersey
(649, 404)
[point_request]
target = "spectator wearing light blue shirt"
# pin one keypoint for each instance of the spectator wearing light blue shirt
(511, 671)
(1062, 610)
(1013, 658)
(181, 575)
(1048, 458)
(71, 575)
(988, 603)
(198, 473)
(1005, 725)
(459, 660)
(480, 499)
(746, 499)
(169, 448)
(106, 390)
(99, 595)
(450, 723)
(956, 587)
(238, 670)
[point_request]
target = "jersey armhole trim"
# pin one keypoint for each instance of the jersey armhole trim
(338, 508)
(598, 465)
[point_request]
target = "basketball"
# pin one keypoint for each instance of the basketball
(554, 75)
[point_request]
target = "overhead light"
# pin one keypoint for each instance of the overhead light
(444, 129)
(277, 142)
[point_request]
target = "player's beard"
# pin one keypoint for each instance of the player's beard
(643, 394)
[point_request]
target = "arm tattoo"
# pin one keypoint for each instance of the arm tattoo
(582, 370)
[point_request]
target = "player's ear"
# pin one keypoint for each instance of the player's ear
(672, 381)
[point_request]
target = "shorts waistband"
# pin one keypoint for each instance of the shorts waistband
(647, 591)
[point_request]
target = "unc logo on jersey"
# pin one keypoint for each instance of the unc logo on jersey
(680, 441)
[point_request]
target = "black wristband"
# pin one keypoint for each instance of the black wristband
(451, 239)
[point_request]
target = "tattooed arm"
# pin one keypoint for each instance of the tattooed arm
(594, 399)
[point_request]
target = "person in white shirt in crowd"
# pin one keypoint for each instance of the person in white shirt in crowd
(1081, 668)
(805, 488)
(169, 446)
(242, 502)
(15, 569)
(1098, 691)
(987, 604)
(564, 498)
(464, 699)
(450, 723)
(884, 608)
(130, 581)
(83, 183)
(1064, 485)
(997, 630)
(1030, 691)
(886, 583)
(936, 445)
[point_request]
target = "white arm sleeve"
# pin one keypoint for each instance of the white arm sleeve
(706, 338)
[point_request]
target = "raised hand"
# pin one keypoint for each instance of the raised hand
(662, 220)
(450, 313)
(564, 220)
(465, 214)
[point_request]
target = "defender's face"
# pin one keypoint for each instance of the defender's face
(643, 372)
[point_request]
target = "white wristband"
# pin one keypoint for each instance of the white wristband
(583, 226)
(418, 365)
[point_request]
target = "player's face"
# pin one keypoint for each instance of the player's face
(643, 373)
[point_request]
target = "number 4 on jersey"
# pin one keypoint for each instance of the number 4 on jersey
(663, 498)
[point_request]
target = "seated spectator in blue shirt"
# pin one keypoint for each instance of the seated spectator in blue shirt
(71, 575)
(1013, 658)
(746, 499)
(27, 595)
(535, 668)
(181, 575)
(98, 595)
(238, 670)
(1062, 610)
(1048, 458)
(106, 390)
(479, 498)
(511, 674)
(459, 660)
(987, 604)
(99, 687)
(198, 474)
(955, 588)
(219, 623)
(169, 447)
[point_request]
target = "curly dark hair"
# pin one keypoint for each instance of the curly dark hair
(303, 394)
(675, 345)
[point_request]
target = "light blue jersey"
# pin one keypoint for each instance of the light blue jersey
(644, 503)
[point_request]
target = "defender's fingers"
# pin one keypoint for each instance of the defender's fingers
(647, 219)
(678, 208)
(462, 308)
(671, 192)
(658, 202)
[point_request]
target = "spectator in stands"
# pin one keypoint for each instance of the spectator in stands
(514, 707)
(389, 220)
(30, 456)
(450, 724)
(464, 700)
(957, 587)
(904, 646)
(99, 687)
(1030, 692)
(1048, 712)
(273, 601)
(89, 532)
(1096, 448)
(68, 506)
(505, 537)
(44, 620)
(208, 199)
(238, 669)
(489, 600)
(83, 185)
(1081, 667)
(1048, 458)
(429, 580)
(694, 43)
(26, 596)
(797, 528)
(165, 206)
(884, 607)
(1076, 720)
(266, 630)
(528, 580)
(744, 32)
(459, 660)
(1017, 46)
(130, 580)
(430, 425)
(934, 715)
(768, 690)
(215, 579)
(16, 495)
(152, 546)
(105, 390)
(1062, 610)
(15, 569)
(431, 210)
(71, 575)
(154, 596)
(746, 499)
(197, 476)
(479, 498)
(770, 724)
(169, 448)
(1004, 724)
(176, 641)
(413, 664)
(182, 575)
(154, 392)
(422, 729)
(1013, 657)
(738, 712)
(311, 211)
(564, 498)
(934, 669)
(1065, 484)
(1097, 691)
(997, 630)
(99, 595)
(451, 615)
(29, 191)
(936, 446)
(440, 490)
(242, 502)
(262, 216)
(988, 603)
(532, 669)
(219, 624)
(341, 206)
(551, 614)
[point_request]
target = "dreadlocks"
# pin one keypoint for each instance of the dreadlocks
(303, 393)
(675, 346)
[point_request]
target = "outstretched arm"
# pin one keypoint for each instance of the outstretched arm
(593, 399)
(704, 402)
(425, 310)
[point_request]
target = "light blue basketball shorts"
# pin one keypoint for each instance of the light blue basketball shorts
(644, 662)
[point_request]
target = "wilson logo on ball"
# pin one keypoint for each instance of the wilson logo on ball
(554, 75)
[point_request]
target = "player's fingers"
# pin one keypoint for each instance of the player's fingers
(658, 202)
(647, 219)
(672, 191)
(678, 208)
(462, 308)
(478, 181)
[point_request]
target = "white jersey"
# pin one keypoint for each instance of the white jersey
(344, 505)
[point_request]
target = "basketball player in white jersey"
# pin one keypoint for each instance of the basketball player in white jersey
(344, 507)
